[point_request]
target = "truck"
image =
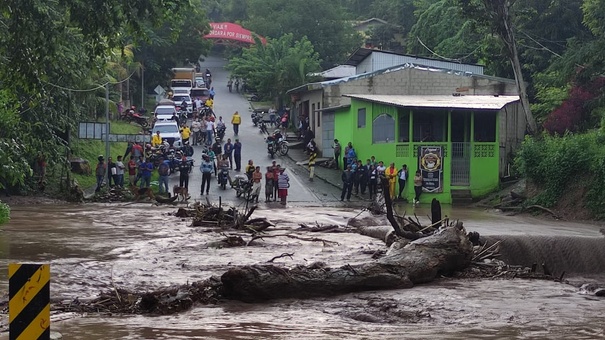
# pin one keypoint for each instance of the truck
(183, 77)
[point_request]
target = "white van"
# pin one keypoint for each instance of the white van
(169, 131)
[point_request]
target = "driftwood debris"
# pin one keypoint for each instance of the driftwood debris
(209, 215)
(516, 204)
(420, 261)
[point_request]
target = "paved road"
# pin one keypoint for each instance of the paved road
(301, 193)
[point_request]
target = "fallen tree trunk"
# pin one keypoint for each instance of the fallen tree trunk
(418, 262)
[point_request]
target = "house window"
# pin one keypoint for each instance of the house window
(430, 126)
(318, 115)
(404, 127)
(361, 118)
(383, 129)
(485, 126)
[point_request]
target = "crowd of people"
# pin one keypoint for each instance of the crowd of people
(359, 177)
(204, 129)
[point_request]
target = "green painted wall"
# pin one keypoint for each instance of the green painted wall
(484, 156)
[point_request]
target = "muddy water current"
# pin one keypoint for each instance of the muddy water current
(94, 247)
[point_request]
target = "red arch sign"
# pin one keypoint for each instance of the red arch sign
(231, 31)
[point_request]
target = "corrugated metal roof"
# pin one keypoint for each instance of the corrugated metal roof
(319, 85)
(440, 101)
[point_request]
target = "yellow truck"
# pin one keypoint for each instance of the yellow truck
(183, 77)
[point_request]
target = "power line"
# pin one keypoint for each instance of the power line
(101, 86)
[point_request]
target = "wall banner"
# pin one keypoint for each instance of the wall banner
(430, 163)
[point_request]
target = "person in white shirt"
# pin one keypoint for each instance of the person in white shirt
(381, 168)
(196, 129)
(209, 131)
(119, 180)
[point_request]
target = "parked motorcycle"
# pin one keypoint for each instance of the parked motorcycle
(131, 116)
(223, 178)
(263, 127)
(276, 143)
(242, 186)
(257, 117)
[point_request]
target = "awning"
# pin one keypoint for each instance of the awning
(333, 108)
(440, 101)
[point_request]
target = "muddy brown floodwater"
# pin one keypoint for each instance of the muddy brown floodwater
(93, 247)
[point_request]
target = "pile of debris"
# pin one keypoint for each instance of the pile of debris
(209, 215)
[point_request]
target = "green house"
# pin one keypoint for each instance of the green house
(462, 143)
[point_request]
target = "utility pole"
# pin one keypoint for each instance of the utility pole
(142, 86)
(107, 126)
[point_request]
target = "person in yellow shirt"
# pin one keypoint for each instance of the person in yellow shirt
(210, 103)
(391, 175)
(156, 140)
(185, 133)
(236, 120)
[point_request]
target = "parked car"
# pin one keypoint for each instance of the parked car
(169, 131)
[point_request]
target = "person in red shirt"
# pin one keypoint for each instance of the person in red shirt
(132, 170)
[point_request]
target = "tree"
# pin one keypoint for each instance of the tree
(322, 22)
(276, 67)
(498, 15)
(55, 54)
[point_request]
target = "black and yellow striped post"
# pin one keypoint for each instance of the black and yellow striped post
(312, 158)
(29, 305)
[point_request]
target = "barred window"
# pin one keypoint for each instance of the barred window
(361, 118)
(383, 129)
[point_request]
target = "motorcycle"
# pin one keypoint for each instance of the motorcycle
(263, 127)
(277, 144)
(132, 116)
(223, 178)
(220, 132)
(242, 186)
(257, 117)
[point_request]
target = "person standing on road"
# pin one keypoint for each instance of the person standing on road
(272, 116)
(111, 172)
(196, 128)
(257, 177)
(417, 187)
(146, 167)
(207, 168)
(372, 180)
(337, 150)
(236, 120)
(185, 133)
(184, 170)
(347, 184)
(209, 131)
(283, 183)
(132, 171)
(402, 177)
(217, 148)
(269, 182)
(164, 172)
(276, 171)
(228, 151)
(119, 179)
(391, 174)
(237, 154)
(100, 173)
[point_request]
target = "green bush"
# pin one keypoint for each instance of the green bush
(4, 212)
(553, 162)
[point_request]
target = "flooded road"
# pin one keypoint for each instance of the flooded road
(93, 247)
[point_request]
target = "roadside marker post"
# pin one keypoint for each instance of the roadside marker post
(29, 304)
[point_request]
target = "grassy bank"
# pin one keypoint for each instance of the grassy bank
(91, 149)
(566, 172)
